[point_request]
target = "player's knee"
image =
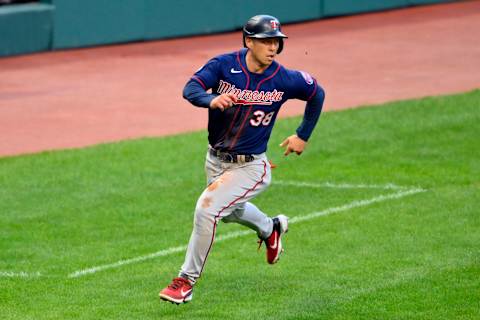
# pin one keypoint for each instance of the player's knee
(204, 215)
(230, 218)
(203, 221)
(267, 180)
(237, 212)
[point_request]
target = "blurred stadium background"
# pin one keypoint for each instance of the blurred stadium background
(33, 26)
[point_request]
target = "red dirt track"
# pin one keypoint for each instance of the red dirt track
(82, 97)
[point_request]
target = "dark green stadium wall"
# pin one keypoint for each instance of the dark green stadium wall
(346, 7)
(25, 28)
(182, 18)
(285, 11)
(418, 2)
(59, 24)
(80, 23)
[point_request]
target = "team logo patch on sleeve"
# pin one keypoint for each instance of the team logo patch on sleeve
(308, 78)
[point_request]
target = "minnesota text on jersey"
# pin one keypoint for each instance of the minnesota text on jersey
(250, 97)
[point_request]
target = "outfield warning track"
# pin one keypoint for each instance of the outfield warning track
(76, 98)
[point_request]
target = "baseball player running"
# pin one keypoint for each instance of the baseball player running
(248, 89)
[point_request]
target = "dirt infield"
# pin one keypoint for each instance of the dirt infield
(82, 97)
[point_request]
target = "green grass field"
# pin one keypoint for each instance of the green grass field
(381, 253)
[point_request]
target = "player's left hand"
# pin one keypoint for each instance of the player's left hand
(293, 144)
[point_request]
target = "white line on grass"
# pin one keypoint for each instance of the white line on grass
(157, 254)
(389, 186)
(356, 204)
(165, 252)
(10, 274)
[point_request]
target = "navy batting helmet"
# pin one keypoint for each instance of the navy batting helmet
(263, 26)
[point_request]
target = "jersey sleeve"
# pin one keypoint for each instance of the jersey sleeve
(208, 75)
(312, 113)
(197, 95)
(303, 85)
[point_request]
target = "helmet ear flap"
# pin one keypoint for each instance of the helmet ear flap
(244, 43)
(280, 45)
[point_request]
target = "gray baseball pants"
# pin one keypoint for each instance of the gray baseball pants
(230, 188)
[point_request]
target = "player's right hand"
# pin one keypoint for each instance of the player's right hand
(223, 101)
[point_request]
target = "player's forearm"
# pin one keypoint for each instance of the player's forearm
(311, 115)
(197, 95)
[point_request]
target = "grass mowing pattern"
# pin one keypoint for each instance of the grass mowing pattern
(411, 258)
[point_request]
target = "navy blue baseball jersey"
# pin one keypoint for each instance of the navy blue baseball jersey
(245, 128)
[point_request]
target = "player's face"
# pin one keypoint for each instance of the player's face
(263, 50)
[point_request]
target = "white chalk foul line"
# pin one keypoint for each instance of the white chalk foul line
(356, 204)
(388, 186)
(162, 253)
(157, 254)
(10, 274)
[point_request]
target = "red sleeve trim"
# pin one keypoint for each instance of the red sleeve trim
(200, 81)
(314, 90)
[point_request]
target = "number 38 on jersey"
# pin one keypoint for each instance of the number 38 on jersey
(261, 118)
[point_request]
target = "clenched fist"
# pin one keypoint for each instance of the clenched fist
(223, 101)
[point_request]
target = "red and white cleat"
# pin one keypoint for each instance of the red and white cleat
(274, 241)
(179, 291)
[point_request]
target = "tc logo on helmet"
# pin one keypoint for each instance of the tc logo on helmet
(274, 24)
